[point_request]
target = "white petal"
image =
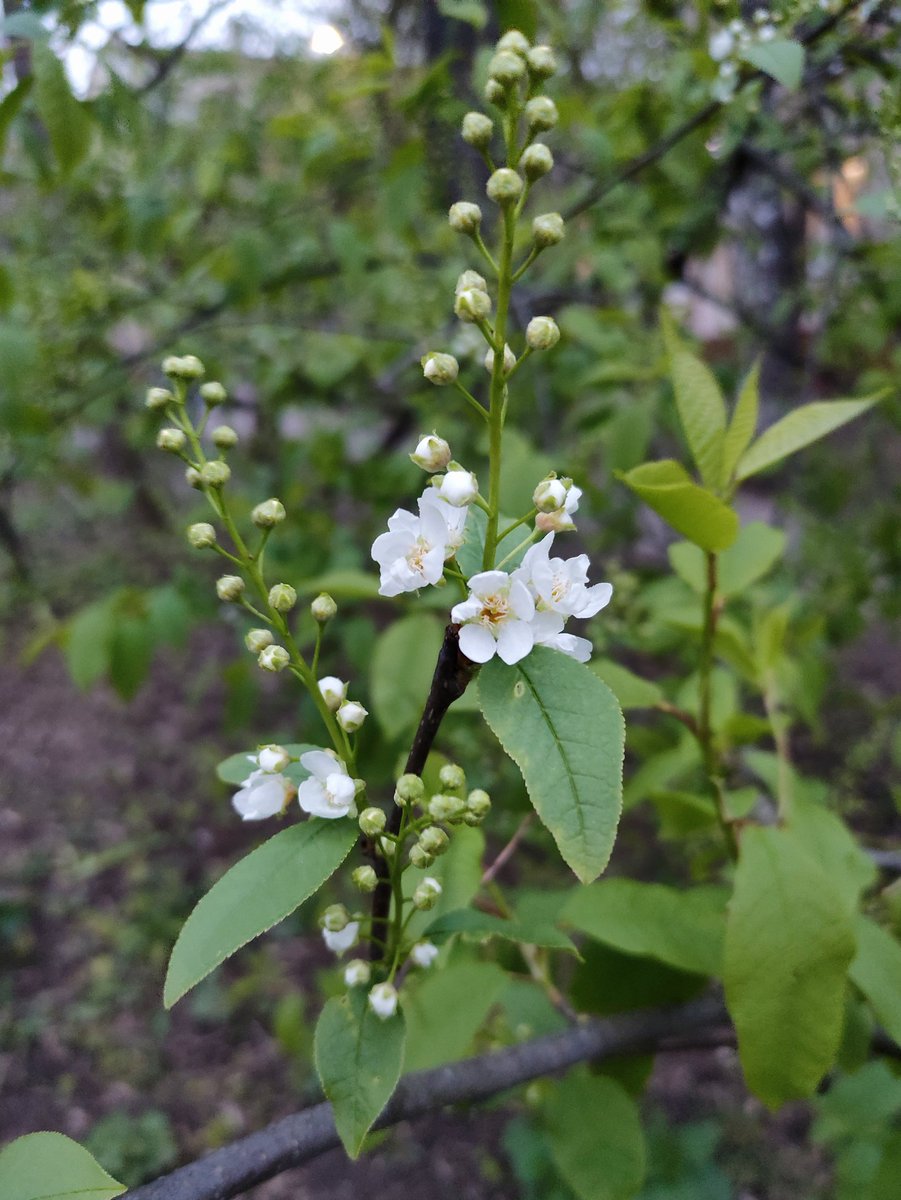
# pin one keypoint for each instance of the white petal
(263, 799)
(321, 764)
(312, 799)
(404, 522)
(488, 582)
(477, 643)
(466, 610)
(546, 625)
(575, 647)
(514, 641)
(521, 603)
(594, 599)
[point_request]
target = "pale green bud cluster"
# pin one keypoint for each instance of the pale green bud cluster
(213, 394)
(274, 658)
(257, 640)
(215, 474)
(440, 369)
(230, 587)
(505, 185)
(365, 878)
(224, 437)
(547, 230)
(172, 440)
(188, 368)
(542, 333)
(536, 161)
(426, 894)
(323, 609)
(465, 217)
(268, 514)
(158, 398)
(472, 305)
(335, 918)
(202, 535)
(282, 597)
(541, 113)
(477, 130)
(372, 821)
(409, 790)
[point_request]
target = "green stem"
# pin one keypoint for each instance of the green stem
(516, 524)
(498, 389)
(471, 400)
(713, 767)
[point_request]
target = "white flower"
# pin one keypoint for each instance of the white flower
(432, 453)
(549, 495)
(454, 519)
(342, 939)
(383, 1000)
(351, 715)
(357, 972)
(262, 795)
(457, 487)
(560, 585)
(333, 691)
(411, 554)
(424, 954)
(567, 643)
(330, 791)
(273, 759)
(721, 44)
(560, 520)
(496, 618)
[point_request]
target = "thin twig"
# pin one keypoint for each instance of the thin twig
(507, 853)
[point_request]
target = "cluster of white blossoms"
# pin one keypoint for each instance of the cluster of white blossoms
(328, 791)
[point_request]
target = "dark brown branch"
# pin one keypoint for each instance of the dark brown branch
(301, 1137)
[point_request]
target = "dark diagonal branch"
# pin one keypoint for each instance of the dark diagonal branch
(301, 1137)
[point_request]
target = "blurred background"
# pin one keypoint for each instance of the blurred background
(265, 185)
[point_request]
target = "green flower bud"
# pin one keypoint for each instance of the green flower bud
(256, 640)
(230, 587)
(477, 129)
(268, 514)
(351, 715)
(536, 161)
(171, 366)
(158, 398)
(470, 279)
(542, 62)
(335, 918)
(215, 473)
(202, 535)
(452, 777)
(224, 437)
(515, 41)
(273, 658)
(504, 186)
(409, 790)
(323, 608)
(542, 333)
(420, 858)
(432, 453)
(358, 972)
(372, 821)
(541, 113)
(440, 369)
(478, 804)
(365, 879)
(192, 367)
(446, 808)
(496, 93)
(170, 439)
(464, 217)
(282, 597)
(212, 394)
(434, 840)
(548, 230)
(549, 495)
(472, 304)
(193, 478)
(509, 360)
(426, 894)
(507, 68)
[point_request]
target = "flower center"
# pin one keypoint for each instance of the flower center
(495, 609)
(416, 555)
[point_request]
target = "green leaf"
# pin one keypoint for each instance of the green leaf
(799, 428)
(11, 104)
(789, 940)
(630, 690)
(89, 642)
(403, 663)
(359, 1058)
(876, 971)
(50, 1166)
(470, 920)
(781, 58)
(236, 768)
(684, 929)
(743, 424)
(342, 585)
(596, 1138)
(608, 981)
(472, 12)
(754, 552)
(131, 650)
(699, 400)
(65, 118)
(564, 730)
(446, 1009)
(255, 894)
(691, 510)
(828, 841)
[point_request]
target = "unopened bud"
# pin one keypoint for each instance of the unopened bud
(536, 161)
(472, 304)
(383, 1000)
(215, 473)
(323, 609)
(541, 113)
(504, 186)
(335, 918)
(515, 41)
(423, 954)
(213, 394)
(365, 879)
(268, 514)
(193, 478)
(191, 367)
(478, 804)
(158, 398)
(202, 535)
(333, 691)
(229, 587)
(351, 715)
(457, 487)
(496, 93)
(273, 758)
(477, 129)
(465, 217)
(542, 333)
(358, 972)
(434, 840)
(509, 360)
(507, 68)
(471, 279)
(446, 808)
(549, 495)
(372, 821)
(426, 894)
(224, 437)
(440, 369)
(170, 439)
(453, 777)
(542, 62)
(274, 658)
(420, 857)
(171, 366)
(409, 790)
(282, 597)
(432, 453)
(548, 230)
(256, 640)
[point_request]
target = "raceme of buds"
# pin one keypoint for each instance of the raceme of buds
(472, 304)
(224, 437)
(434, 840)
(269, 513)
(230, 587)
(477, 129)
(170, 439)
(273, 658)
(215, 473)
(465, 217)
(446, 808)
(323, 608)
(515, 41)
(256, 640)
(420, 857)
(282, 597)
(507, 68)
(452, 777)
(158, 398)
(333, 691)
(549, 495)
(432, 453)
(509, 360)
(548, 230)
(541, 61)
(470, 279)
(457, 487)
(202, 535)
(440, 369)
(426, 894)
(536, 161)
(383, 1000)
(542, 333)
(541, 113)
(409, 790)
(351, 715)
(504, 186)
(372, 821)
(365, 878)
(357, 973)
(212, 394)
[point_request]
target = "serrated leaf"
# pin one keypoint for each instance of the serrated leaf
(694, 512)
(743, 424)
(630, 689)
(65, 118)
(470, 920)
(50, 1166)
(596, 1138)
(789, 941)
(255, 894)
(782, 59)
(800, 428)
(564, 730)
(754, 552)
(684, 929)
(702, 410)
(876, 971)
(359, 1058)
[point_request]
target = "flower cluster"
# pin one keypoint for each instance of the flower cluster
(327, 792)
